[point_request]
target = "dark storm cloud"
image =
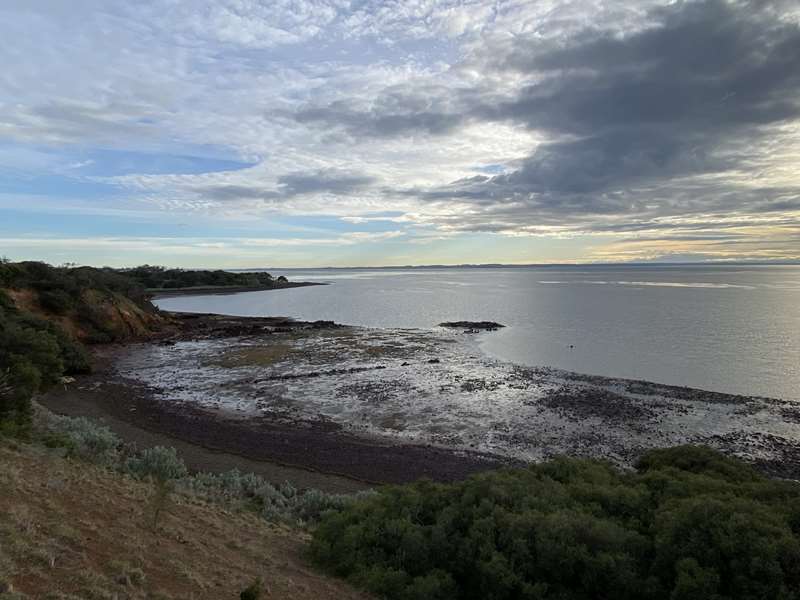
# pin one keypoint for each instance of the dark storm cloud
(394, 112)
(688, 96)
(292, 185)
(237, 192)
(325, 182)
(381, 125)
(657, 104)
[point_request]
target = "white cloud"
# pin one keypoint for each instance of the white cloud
(232, 75)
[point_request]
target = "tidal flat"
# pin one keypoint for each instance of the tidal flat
(415, 402)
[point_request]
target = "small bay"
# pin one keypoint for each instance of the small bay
(725, 328)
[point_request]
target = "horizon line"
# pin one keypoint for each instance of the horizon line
(783, 262)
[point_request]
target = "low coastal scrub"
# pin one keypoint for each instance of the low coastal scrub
(162, 278)
(85, 440)
(44, 312)
(158, 463)
(95, 305)
(81, 438)
(62, 286)
(34, 355)
(59, 288)
(282, 503)
(689, 523)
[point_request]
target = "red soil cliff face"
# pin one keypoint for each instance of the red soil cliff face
(111, 312)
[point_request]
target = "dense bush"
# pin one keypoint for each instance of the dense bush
(58, 302)
(160, 277)
(688, 524)
(100, 330)
(60, 288)
(34, 354)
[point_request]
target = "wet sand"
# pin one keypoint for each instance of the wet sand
(340, 408)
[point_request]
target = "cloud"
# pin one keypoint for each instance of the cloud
(327, 182)
(288, 186)
(635, 121)
(402, 118)
(683, 111)
(621, 120)
(193, 244)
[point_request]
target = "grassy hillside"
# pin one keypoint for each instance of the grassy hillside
(71, 530)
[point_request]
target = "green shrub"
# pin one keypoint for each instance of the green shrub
(71, 281)
(83, 438)
(159, 463)
(688, 524)
(57, 439)
(697, 459)
(228, 486)
(30, 361)
(73, 355)
(34, 354)
(94, 318)
(311, 505)
(9, 273)
(57, 302)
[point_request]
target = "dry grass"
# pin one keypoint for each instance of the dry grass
(70, 530)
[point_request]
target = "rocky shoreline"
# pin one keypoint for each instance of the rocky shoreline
(390, 406)
(309, 454)
(225, 289)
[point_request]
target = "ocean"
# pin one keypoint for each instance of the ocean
(725, 328)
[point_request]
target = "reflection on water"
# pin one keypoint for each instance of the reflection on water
(727, 328)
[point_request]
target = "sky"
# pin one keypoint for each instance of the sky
(304, 133)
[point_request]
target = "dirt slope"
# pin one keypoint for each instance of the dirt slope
(69, 530)
(111, 312)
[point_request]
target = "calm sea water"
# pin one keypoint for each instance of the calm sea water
(729, 328)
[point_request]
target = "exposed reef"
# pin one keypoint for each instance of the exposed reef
(472, 326)
(392, 405)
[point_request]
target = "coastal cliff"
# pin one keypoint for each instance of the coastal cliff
(89, 305)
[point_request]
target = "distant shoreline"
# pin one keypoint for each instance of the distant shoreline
(156, 293)
(575, 266)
